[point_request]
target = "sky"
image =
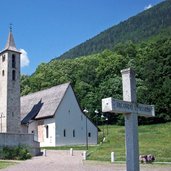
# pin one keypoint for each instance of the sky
(45, 29)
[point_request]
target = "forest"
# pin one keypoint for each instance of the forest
(97, 76)
(137, 28)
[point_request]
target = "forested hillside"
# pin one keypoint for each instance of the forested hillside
(98, 76)
(140, 27)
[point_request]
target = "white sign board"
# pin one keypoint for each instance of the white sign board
(119, 106)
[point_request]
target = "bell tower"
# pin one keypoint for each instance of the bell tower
(10, 87)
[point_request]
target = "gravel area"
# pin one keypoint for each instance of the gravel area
(63, 161)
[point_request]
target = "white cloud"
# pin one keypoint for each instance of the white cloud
(147, 7)
(24, 58)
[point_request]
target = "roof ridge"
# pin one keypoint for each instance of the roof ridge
(68, 83)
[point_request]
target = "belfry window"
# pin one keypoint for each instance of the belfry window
(13, 61)
(3, 72)
(13, 75)
(3, 58)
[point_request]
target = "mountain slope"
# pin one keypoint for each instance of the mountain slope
(137, 28)
(98, 76)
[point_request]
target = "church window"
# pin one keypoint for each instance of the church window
(3, 58)
(89, 134)
(47, 131)
(64, 133)
(13, 61)
(3, 72)
(13, 75)
(73, 133)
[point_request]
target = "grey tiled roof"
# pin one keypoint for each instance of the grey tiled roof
(10, 45)
(33, 113)
(43, 103)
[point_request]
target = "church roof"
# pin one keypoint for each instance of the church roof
(10, 45)
(42, 104)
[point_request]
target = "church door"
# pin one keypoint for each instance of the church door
(40, 131)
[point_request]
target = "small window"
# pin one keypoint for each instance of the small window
(12, 114)
(81, 117)
(3, 72)
(13, 75)
(89, 134)
(73, 133)
(3, 58)
(47, 131)
(32, 131)
(13, 61)
(64, 133)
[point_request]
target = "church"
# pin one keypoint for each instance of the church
(51, 117)
(55, 118)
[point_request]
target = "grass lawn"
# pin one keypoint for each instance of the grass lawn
(153, 139)
(4, 164)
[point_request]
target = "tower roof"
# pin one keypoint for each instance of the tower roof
(10, 45)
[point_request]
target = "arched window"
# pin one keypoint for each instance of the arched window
(64, 133)
(13, 75)
(47, 131)
(13, 61)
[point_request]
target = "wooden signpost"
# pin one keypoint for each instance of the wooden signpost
(131, 110)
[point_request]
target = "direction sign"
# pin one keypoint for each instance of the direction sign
(120, 106)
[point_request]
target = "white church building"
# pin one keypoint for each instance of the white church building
(51, 117)
(55, 118)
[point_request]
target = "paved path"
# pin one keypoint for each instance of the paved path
(62, 161)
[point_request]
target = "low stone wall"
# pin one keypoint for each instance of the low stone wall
(11, 139)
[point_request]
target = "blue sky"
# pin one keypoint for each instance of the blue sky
(44, 29)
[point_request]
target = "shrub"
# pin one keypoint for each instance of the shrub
(15, 153)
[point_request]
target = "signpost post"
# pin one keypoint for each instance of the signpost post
(131, 109)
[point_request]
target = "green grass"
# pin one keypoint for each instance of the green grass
(75, 147)
(156, 139)
(153, 139)
(4, 164)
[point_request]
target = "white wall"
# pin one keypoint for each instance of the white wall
(70, 118)
(32, 129)
(44, 140)
(50, 140)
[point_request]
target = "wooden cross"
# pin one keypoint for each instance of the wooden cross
(131, 110)
(10, 27)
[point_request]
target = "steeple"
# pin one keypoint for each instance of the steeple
(10, 87)
(10, 45)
